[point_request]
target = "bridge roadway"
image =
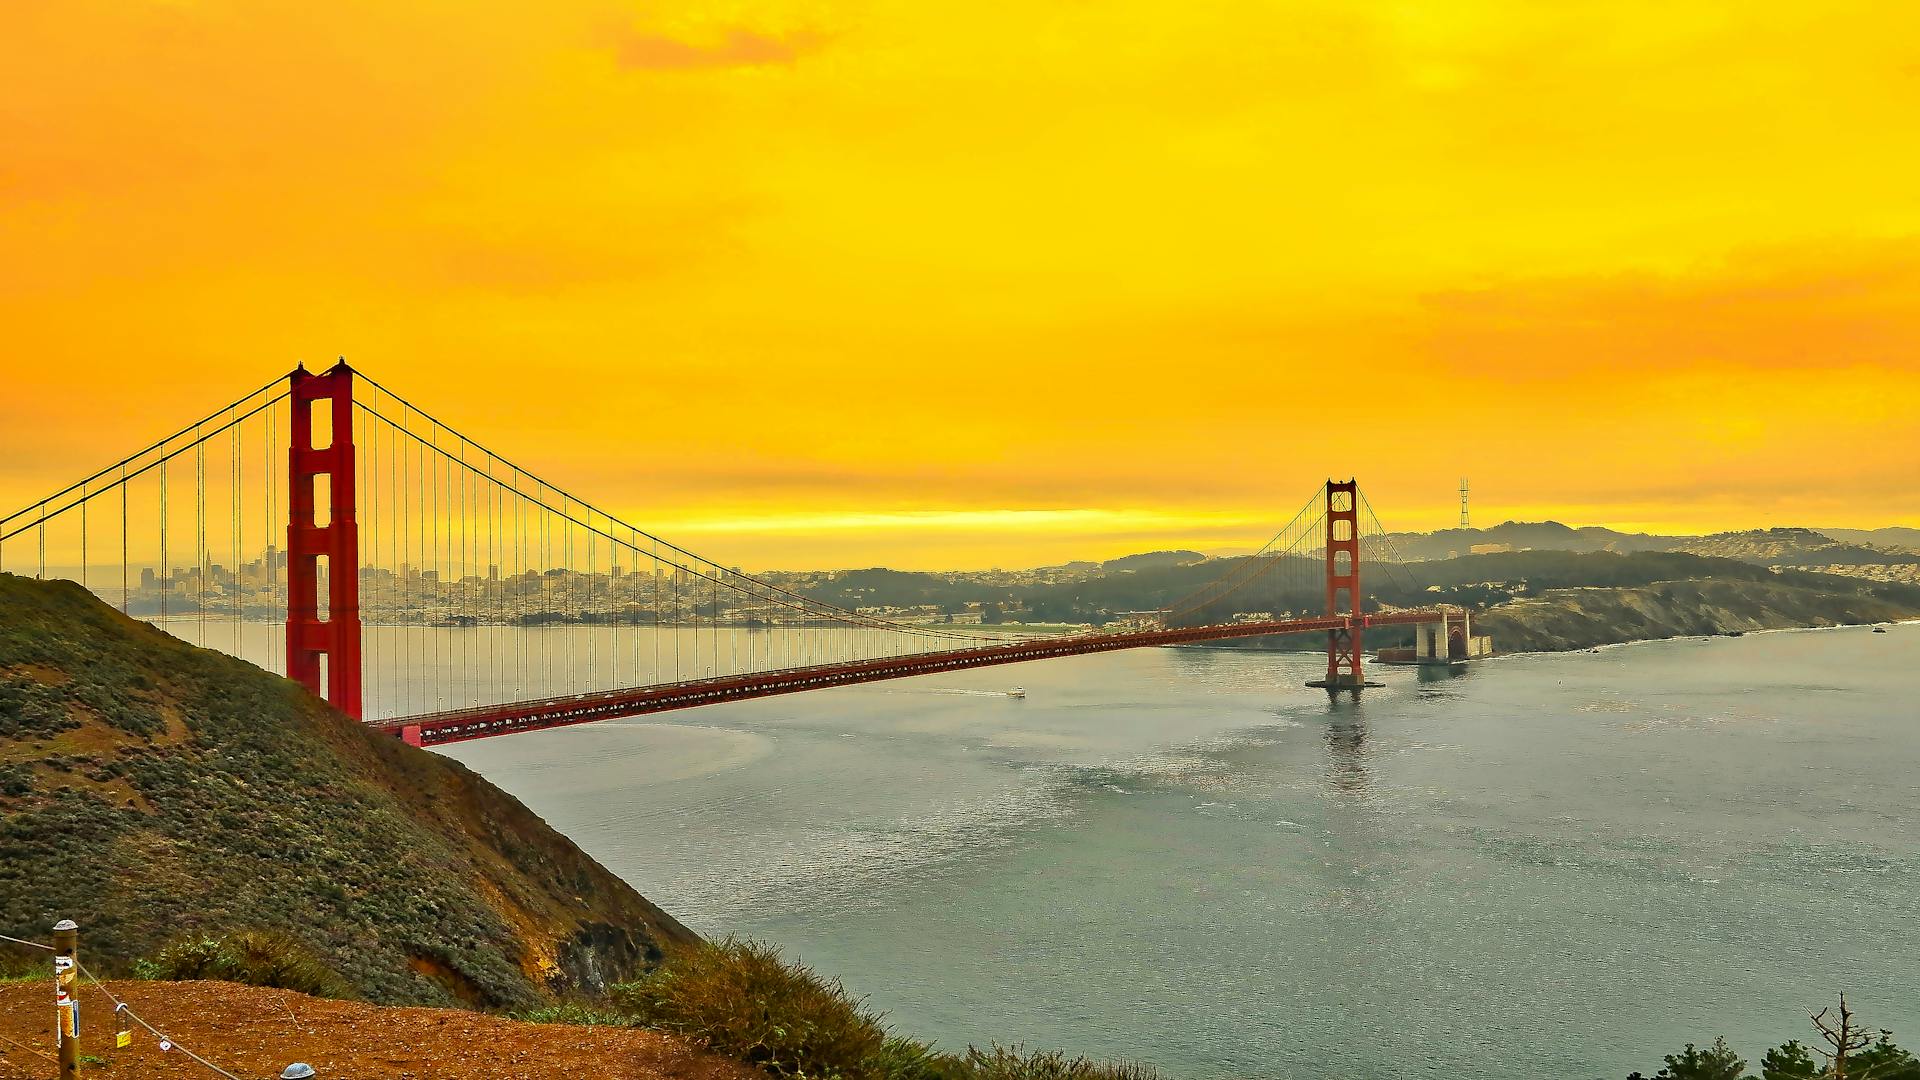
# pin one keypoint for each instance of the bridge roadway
(431, 729)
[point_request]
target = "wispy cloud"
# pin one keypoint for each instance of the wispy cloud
(736, 47)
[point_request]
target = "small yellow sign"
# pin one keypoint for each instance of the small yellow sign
(122, 1039)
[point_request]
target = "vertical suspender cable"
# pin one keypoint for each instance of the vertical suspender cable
(654, 675)
(567, 579)
(235, 577)
(271, 469)
(403, 480)
(123, 540)
(369, 493)
(165, 572)
(593, 649)
(203, 557)
(460, 497)
(431, 551)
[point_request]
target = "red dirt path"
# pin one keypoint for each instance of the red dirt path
(253, 1033)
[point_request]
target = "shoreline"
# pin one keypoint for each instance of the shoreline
(1700, 638)
(1624, 643)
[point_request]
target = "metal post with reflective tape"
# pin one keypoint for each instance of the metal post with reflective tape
(66, 996)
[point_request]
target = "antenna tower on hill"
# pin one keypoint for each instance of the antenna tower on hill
(1463, 503)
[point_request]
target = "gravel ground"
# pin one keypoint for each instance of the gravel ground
(253, 1033)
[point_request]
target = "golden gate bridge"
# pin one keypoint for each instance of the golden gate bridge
(407, 545)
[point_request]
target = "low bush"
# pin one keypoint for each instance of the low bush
(741, 1000)
(572, 1012)
(253, 957)
(1014, 1063)
(902, 1058)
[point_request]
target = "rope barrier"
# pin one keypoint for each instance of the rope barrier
(167, 1042)
(22, 941)
(36, 1053)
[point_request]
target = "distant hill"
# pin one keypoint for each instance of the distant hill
(1898, 536)
(1763, 547)
(152, 790)
(1579, 618)
(1795, 547)
(1152, 560)
(1522, 536)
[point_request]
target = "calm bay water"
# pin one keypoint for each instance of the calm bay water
(1548, 866)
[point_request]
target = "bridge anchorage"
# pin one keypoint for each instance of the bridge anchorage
(410, 551)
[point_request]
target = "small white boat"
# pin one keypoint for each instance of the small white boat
(1017, 692)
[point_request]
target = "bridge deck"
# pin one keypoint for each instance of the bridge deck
(430, 729)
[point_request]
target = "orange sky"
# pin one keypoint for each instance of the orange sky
(835, 283)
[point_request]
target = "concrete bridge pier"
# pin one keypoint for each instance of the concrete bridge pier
(1450, 640)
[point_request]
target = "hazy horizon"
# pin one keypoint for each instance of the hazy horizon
(16, 564)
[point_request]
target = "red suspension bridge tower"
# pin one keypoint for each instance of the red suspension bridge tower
(1344, 670)
(332, 642)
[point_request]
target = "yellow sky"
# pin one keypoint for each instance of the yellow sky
(839, 283)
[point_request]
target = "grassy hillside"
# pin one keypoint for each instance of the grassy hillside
(1561, 619)
(151, 790)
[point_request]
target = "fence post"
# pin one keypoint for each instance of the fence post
(66, 1000)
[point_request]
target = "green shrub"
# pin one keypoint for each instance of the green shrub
(1013, 1063)
(902, 1058)
(572, 1012)
(17, 964)
(741, 1000)
(253, 957)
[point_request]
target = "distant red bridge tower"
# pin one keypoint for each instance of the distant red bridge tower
(1344, 668)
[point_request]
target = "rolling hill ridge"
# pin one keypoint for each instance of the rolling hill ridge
(154, 791)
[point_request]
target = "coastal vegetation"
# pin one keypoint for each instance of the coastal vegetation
(1845, 1049)
(169, 796)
